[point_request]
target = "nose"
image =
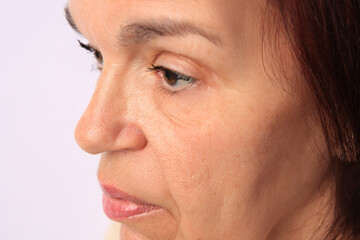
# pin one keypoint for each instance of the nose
(106, 125)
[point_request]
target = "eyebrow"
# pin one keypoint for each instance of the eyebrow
(70, 20)
(142, 32)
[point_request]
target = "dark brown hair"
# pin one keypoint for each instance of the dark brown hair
(325, 40)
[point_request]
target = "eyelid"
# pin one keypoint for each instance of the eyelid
(162, 68)
(182, 77)
(178, 64)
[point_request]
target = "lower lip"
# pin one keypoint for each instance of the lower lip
(117, 208)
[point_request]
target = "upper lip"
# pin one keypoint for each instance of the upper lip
(115, 193)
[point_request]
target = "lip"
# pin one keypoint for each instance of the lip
(119, 205)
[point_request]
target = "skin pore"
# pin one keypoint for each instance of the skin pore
(227, 152)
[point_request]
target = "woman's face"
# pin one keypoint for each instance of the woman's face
(187, 118)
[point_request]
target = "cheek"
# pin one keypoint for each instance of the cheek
(233, 148)
(203, 146)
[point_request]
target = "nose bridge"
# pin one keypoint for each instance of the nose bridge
(104, 106)
(101, 128)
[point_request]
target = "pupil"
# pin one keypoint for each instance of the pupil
(171, 78)
(98, 56)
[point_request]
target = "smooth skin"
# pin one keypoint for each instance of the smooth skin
(233, 155)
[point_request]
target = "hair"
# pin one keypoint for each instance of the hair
(325, 39)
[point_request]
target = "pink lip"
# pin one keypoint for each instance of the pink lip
(118, 205)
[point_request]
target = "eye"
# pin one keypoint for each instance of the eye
(97, 54)
(174, 81)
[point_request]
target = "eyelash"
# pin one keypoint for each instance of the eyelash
(164, 71)
(97, 54)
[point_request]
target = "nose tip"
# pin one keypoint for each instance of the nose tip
(98, 131)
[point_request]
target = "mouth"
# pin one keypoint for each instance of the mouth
(119, 205)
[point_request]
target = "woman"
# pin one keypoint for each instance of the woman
(234, 119)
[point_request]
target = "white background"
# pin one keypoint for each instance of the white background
(48, 185)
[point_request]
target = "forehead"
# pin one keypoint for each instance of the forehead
(101, 19)
(104, 17)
